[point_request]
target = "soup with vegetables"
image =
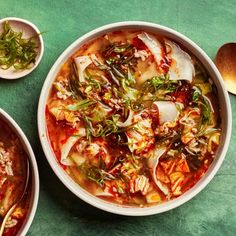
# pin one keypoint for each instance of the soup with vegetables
(12, 179)
(133, 118)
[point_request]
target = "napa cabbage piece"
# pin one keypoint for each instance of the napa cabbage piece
(82, 63)
(62, 93)
(68, 112)
(181, 67)
(176, 178)
(143, 54)
(168, 111)
(205, 88)
(128, 121)
(153, 162)
(141, 135)
(8, 199)
(154, 46)
(61, 114)
(190, 121)
(102, 193)
(77, 159)
(130, 93)
(150, 70)
(213, 136)
(70, 142)
(140, 183)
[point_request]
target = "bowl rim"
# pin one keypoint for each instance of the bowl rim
(34, 169)
(79, 191)
(25, 72)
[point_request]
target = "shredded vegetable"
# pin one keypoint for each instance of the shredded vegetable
(15, 50)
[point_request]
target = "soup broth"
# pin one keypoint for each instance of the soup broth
(133, 118)
(12, 179)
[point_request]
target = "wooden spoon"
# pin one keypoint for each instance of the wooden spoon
(225, 61)
(16, 203)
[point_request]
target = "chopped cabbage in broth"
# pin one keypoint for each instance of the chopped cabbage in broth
(131, 118)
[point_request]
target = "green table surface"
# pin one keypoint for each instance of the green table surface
(208, 23)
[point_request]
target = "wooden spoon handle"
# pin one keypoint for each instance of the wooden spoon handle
(10, 211)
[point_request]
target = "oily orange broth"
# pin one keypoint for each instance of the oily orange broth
(16, 182)
(12, 143)
(59, 132)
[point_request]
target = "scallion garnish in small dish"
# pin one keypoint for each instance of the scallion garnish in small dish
(21, 48)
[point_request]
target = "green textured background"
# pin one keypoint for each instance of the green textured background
(209, 24)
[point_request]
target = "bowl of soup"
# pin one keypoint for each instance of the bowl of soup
(17, 167)
(134, 118)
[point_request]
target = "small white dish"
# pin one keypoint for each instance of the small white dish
(29, 30)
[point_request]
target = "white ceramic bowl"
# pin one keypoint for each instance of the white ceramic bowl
(33, 168)
(29, 30)
(225, 115)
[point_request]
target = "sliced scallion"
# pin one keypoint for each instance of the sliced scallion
(15, 50)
